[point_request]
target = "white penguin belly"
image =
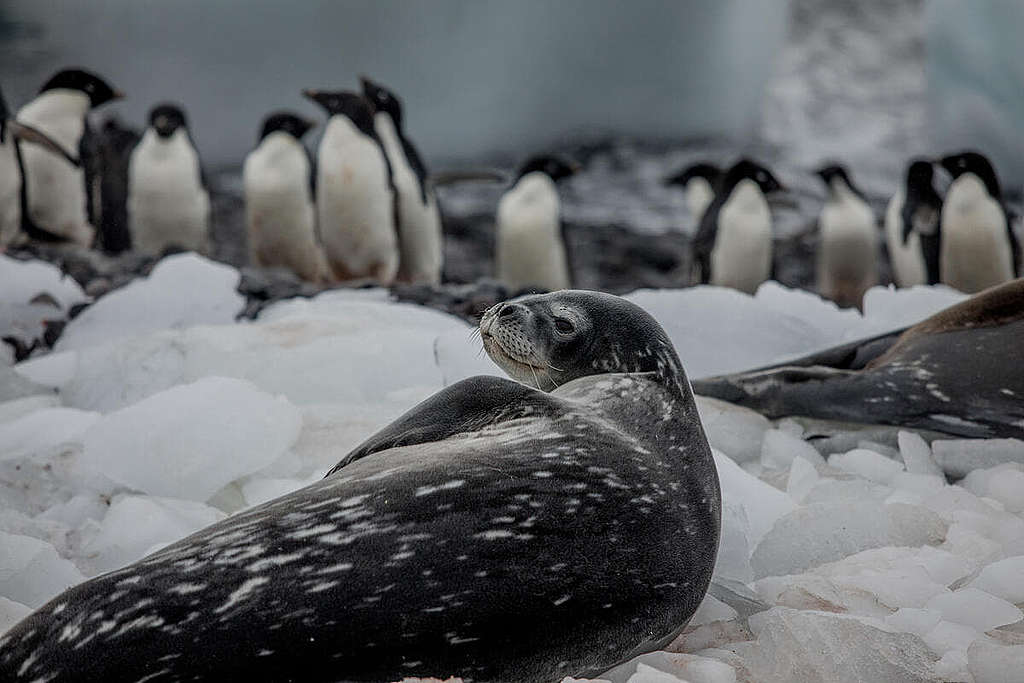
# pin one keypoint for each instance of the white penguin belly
(699, 194)
(10, 193)
(529, 248)
(279, 208)
(847, 254)
(55, 188)
(355, 205)
(419, 224)
(167, 204)
(975, 252)
(742, 255)
(908, 267)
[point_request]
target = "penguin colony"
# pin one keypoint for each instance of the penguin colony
(364, 210)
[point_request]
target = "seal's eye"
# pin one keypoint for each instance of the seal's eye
(563, 325)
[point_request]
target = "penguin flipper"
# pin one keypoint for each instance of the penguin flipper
(1014, 242)
(28, 133)
(703, 243)
(412, 155)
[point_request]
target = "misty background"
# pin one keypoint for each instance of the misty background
(870, 82)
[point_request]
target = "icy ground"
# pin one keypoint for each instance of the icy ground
(158, 414)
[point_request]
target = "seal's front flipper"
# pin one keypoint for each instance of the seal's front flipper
(464, 406)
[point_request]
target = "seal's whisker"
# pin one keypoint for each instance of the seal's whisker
(553, 367)
(536, 381)
(552, 379)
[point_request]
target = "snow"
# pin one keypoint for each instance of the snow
(863, 562)
(23, 280)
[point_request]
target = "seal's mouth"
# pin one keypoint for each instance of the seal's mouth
(504, 357)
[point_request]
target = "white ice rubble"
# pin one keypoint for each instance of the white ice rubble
(160, 414)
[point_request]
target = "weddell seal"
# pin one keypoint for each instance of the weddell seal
(951, 373)
(494, 532)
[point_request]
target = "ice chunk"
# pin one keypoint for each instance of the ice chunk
(23, 280)
(648, 674)
(923, 485)
(952, 667)
(52, 370)
(828, 490)
(888, 308)
(190, 441)
(256, 491)
(914, 620)
(1008, 488)
(762, 503)
(826, 532)
(993, 663)
(802, 478)
(948, 636)
(19, 407)
(917, 455)
(734, 430)
(975, 608)
(11, 613)
(867, 464)
(1003, 579)
(181, 291)
(43, 429)
(957, 457)
(734, 547)
(779, 448)
(808, 647)
(31, 572)
(711, 609)
(135, 524)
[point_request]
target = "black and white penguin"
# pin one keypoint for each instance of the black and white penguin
(848, 244)
(530, 245)
(418, 220)
(279, 211)
(355, 198)
(61, 201)
(978, 248)
(733, 245)
(912, 227)
(698, 182)
(168, 204)
(12, 131)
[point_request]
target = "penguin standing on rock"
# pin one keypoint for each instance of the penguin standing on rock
(168, 203)
(912, 228)
(733, 245)
(978, 247)
(698, 182)
(355, 202)
(12, 131)
(61, 201)
(279, 211)
(418, 220)
(848, 248)
(530, 245)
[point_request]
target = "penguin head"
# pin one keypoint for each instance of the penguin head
(95, 88)
(382, 99)
(920, 174)
(166, 118)
(829, 173)
(345, 103)
(554, 166)
(976, 163)
(702, 169)
(747, 169)
(285, 122)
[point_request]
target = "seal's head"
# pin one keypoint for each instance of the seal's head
(546, 340)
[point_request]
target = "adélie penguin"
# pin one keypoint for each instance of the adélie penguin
(168, 204)
(733, 244)
(355, 198)
(912, 227)
(12, 131)
(418, 220)
(530, 245)
(61, 200)
(698, 182)
(978, 248)
(848, 245)
(279, 211)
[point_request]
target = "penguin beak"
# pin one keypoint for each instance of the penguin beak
(30, 134)
(575, 167)
(365, 82)
(117, 95)
(311, 93)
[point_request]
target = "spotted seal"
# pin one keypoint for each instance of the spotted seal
(955, 372)
(497, 531)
